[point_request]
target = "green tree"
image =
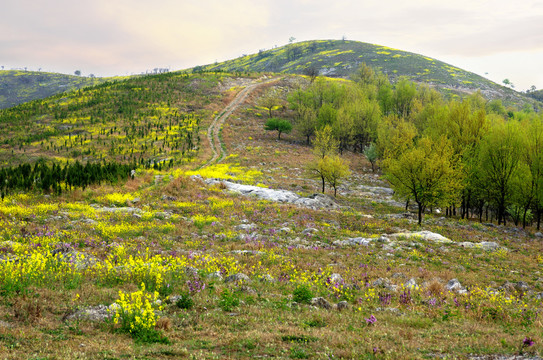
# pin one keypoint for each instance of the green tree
(279, 125)
(269, 101)
(499, 159)
(335, 169)
(426, 173)
(370, 151)
(306, 122)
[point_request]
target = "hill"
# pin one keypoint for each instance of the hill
(338, 58)
(17, 86)
(228, 253)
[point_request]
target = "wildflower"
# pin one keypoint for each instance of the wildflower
(527, 342)
(371, 320)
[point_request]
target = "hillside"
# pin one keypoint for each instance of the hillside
(17, 86)
(337, 58)
(227, 250)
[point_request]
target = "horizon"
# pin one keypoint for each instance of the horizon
(494, 39)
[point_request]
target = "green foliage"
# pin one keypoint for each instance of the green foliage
(302, 294)
(426, 172)
(228, 300)
(279, 125)
(185, 301)
(371, 154)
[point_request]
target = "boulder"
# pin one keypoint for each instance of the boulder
(321, 302)
(94, 313)
(342, 305)
(454, 285)
(353, 242)
(411, 284)
(423, 235)
(239, 277)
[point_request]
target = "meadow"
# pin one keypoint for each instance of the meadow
(163, 265)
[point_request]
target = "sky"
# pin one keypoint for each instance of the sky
(497, 39)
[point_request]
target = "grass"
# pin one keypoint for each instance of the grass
(185, 238)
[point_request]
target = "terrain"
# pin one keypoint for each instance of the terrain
(17, 86)
(216, 246)
(341, 58)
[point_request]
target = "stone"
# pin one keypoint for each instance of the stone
(284, 230)
(411, 284)
(94, 313)
(239, 277)
(454, 285)
(316, 201)
(538, 234)
(353, 242)
(321, 303)
(489, 246)
(336, 279)
(266, 278)
(215, 276)
(310, 231)
(169, 198)
(539, 296)
(522, 286)
(423, 235)
(246, 227)
(342, 305)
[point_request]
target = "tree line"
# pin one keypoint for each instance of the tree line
(469, 156)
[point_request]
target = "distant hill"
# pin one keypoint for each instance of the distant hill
(17, 86)
(338, 58)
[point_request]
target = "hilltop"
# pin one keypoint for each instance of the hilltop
(17, 86)
(341, 58)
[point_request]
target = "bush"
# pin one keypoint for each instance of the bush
(302, 294)
(229, 300)
(185, 301)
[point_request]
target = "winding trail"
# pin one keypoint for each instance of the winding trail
(214, 130)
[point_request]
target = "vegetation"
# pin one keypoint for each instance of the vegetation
(166, 262)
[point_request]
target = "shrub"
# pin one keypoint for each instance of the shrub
(185, 301)
(302, 294)
(282, 126)
(229, 300)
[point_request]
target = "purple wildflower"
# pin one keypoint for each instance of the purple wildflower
(527, 342)
(371, 320)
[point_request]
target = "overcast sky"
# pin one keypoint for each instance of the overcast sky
(495, 38)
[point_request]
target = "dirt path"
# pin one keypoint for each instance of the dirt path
(214, 130)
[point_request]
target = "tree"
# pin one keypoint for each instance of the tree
(306, 123)
(371, 154)
(77, 72)
(426, 173)
(269, 101)
(499, 158)
(280, 125)
(312, 72)
(335, 169)
(325, 143)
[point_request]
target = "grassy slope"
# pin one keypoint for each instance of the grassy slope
(17, 87)
(197, 226)
(341, 58)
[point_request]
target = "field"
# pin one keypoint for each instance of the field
(167, 265)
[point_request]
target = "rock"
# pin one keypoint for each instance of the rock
(454, 285)
(246, 227)
(411, 284)
(5, 324)
(508, 286)
(316, 201)
(353, 242)
(467, 244)
(539, 296)
(127, 209)
(522, 286)
(266, 278)
(191, 271)
(489, 246)
(321, 302)
(239, 277)
(284, 230)
(247, 289)
(342, 305)
(423, 235)
(94, 313)
(163, 215)
(538, 234)
(215, 276)
(247, 252)
(336, 279)
(310, 231)
(169, 198)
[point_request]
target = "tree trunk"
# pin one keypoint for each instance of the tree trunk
(279, 135)
(420, 212)
(406, 204)
(322, 177)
